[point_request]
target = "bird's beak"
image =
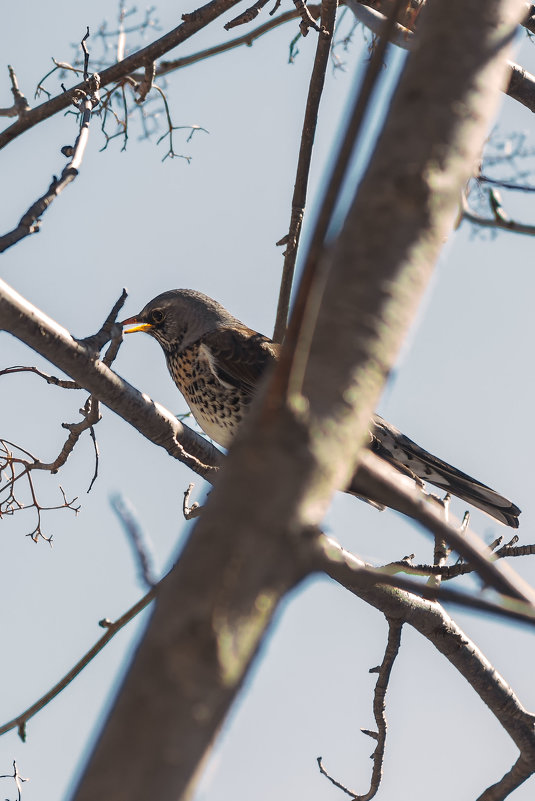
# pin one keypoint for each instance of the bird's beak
(138, 326)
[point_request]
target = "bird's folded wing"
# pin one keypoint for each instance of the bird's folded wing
(239, 356)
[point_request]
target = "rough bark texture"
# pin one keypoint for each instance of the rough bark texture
(249, 548)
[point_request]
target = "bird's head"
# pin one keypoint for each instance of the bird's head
(179, 317)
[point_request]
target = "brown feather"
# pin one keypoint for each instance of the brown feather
(240, 356)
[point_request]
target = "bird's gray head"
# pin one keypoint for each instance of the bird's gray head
(179, 317)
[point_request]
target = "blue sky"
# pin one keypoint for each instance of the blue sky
(463, 389)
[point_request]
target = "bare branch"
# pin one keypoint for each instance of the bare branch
(430, 619)
(29, 324)
(331, 554)
(519, 773)
(165, 67)
(50, 379)
(298, 335)
(192, 511)
(376, 479)
(91, 416)
(110, 330)
(384, 670)
(247, 16)
(315, 91)
(20, 105)
(136, 537)
(18, 779)
(20, 722)
(520, 86)
(170, 128)
(146, 84)
(500, 220)
(374, 20)
(191, 24)
(10, 462)
(85, 100)
(307, 20)
(448, 572)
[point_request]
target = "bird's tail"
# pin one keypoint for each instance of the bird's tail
(396, 448)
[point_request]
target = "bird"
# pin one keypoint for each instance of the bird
(217, 363)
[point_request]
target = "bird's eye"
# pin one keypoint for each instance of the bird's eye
(157, 316)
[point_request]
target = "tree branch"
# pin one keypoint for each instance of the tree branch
(20, 722)
(315, 91)
(166, 67)
(520, 85)
(30, 325)
(30, 221)
(192, 23)
(431, 620)
(384, 671)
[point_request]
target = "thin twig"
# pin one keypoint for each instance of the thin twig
(290, 370)
(381, 686)
(442, 550)
(247, 16)
(112, 629)
(431, 620)
(91, 416)
(307, 20)
(341, 565)
(95, 447)
(192, 23)
(165, 67)
(50, 379)
(169, 133)
(332, 780)
(18, 779)
(136, 536)
(384, 671)
(506, 184)
(315, 90)
(109, 330)
(448, 572)
(20, 105)
(145, 86)
(9, 503)
(499, 220)
(192, 511)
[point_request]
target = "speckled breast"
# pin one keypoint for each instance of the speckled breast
(217, 407)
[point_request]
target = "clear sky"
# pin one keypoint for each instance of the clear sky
(464, 389)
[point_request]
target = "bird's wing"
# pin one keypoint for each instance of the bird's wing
(398, 449)
(238, 356)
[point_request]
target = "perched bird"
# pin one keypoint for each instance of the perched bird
(216, 362)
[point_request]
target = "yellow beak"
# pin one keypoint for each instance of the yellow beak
(137, 327)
